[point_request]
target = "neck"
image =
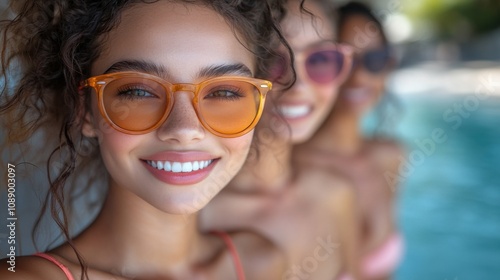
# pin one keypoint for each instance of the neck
(140, 239)
(340, 135)
(267, 172)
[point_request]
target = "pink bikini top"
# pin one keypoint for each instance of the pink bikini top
(224, 236)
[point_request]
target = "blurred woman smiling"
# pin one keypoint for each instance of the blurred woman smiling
(340, 145)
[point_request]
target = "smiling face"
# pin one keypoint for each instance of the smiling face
(364, 88)
(306, 104)
(180, 166)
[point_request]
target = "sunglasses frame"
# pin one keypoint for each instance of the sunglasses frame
(359, 60)
(346, 50)
(98, 83)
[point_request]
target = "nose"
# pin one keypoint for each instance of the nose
(182, 125)
(358, 76)
(300, 86)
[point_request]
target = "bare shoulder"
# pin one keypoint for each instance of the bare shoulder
(386, 145)
(327, 187)
(261, 258)
(323, 177)
(388, 152)
(29, 267)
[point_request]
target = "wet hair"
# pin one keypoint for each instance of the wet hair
(389, 108)
(48, 48)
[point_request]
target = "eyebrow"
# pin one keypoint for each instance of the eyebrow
(160, 71)
(224, 69)
(138, 65)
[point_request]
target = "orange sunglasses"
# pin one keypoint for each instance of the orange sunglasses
(138, 103)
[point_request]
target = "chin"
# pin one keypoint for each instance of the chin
(362, 109)
(185, 206)
(183, 203)
(299, 137)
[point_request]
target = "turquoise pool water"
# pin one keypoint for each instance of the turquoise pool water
(449, 206)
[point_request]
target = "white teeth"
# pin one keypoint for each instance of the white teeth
(294, 111)
(177, 167)
(167, 166)
(187, 167)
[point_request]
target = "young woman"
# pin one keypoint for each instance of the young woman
(307, 212)
(368, 162)
(167, 93)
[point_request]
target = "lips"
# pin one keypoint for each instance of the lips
(180, 168)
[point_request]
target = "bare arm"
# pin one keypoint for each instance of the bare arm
(389, 156)
(347, 222)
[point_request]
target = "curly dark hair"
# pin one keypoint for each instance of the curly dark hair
(48, 49)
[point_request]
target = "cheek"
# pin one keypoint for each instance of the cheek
(240, 145)
(326, 95)
(116, 141)
(378, 85)
(109, 138)
(237, 149)
(116, 148)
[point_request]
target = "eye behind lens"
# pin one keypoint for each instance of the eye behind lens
(231, 114)
(135, 104)
(324, 66)
(376, 61)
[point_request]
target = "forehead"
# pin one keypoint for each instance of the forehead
(302, 29)
(361, 32)
(179, 37)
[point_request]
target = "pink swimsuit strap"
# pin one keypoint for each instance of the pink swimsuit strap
(56, 262)
(232, 249)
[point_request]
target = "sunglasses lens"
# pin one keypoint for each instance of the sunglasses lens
(135, 103)
(324, 66)
(376, 61)
(229, 107)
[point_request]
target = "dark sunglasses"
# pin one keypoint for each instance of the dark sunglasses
(374, 61)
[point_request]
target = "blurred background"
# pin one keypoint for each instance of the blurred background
(448, 80)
